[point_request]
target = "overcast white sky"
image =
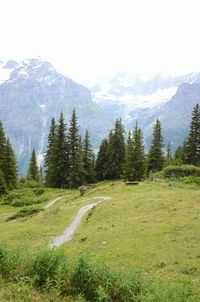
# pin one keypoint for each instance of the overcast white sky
(86, 39)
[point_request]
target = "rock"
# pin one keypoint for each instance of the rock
(82, 190)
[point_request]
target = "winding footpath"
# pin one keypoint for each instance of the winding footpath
(69, 232)
(52, 202)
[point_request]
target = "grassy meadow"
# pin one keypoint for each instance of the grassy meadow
(153, 228)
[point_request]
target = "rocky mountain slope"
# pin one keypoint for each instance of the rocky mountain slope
(31, 93)
(171, 99)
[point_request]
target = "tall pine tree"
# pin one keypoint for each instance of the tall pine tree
(76, 170)
(33, 173)
(138, 154)
(2, 148)
(3, 186)
(135, 158)
(7, 161)
(10, 167)
(102, 158)
(48, 160)
(88, 159)
(155, 156)
(168, 157)
(59, 156)
(129, 164)
(116, 152)
(193, 139)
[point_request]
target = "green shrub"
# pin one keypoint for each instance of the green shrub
(10, 197)
(28, 201)
(191, 180)
(32, 184)
(24, 213)
(45, 265)
(38, 191)
(181, 171)
(9, 262)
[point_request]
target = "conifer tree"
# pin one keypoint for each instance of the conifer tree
(138, 154)
(88, 159)
(76, 170)
(102, 158)
(3, 186)
(2, 148)
(193, 139)
(135, 159)
(168, 158)
(59, 156)
(50, 164)
(116, 152)
(128, 164)
(33, 173)
(10, 167)
(155, 156)
(180, 154)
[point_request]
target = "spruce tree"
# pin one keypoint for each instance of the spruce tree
(128, 164)
(76, 170)
(59, 156)
(134, 167)
(116, 152)
(102, 158)
(3, 186)
(88, 159)
(2, 148)
(49, 162)
(10, 167)
(193, 139)
(138, 154)
(33, 173)
(168, 157)
(180, 154)
(155, 156)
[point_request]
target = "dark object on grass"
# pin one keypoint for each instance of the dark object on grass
(83, 239)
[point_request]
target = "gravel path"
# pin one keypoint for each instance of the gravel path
(52, 202)
(69, 232)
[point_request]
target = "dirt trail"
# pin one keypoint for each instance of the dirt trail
(69, 232)
(52, 202)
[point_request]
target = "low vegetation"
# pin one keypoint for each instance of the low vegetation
(51, 271)
(24, 213)
(181, 171)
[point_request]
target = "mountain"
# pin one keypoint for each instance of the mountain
(31, 93)
(133, 98)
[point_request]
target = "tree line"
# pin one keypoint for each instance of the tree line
(70, 161)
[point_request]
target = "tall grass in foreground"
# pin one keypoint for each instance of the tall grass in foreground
(52, 271)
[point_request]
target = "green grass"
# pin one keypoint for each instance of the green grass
(153, 227)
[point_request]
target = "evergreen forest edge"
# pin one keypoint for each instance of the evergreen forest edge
(69, 160)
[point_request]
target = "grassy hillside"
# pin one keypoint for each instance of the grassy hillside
(153, 227)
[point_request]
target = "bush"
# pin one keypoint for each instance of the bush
(46, 265)
(32, 184)
(9, 262)
(24, 213)
(10, 197)
(181, 171)
(51, 270)
(28, 201)
(38, 191)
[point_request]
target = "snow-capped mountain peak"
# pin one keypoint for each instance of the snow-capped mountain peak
(35, 69)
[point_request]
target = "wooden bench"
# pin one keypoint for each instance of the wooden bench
(132, 182)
